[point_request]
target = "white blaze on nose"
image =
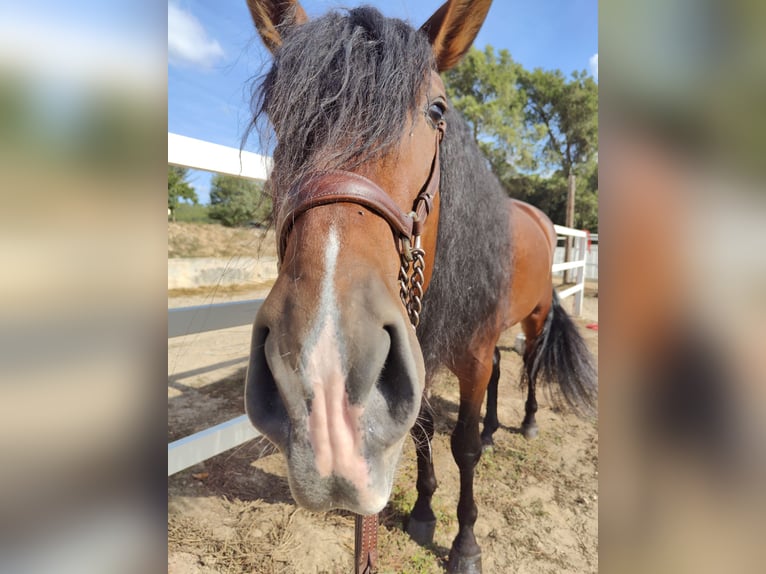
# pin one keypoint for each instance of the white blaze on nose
(334, 425)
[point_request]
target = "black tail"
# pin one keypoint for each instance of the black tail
(560, 355)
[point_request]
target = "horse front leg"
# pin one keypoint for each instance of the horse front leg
(474, 375)
(422, 521)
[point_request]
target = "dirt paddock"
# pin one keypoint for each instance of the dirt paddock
(537, 500)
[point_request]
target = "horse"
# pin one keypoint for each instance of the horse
(399, 253)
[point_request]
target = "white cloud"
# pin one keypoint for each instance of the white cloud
(187, 40)
(75, 54)
(593, 65)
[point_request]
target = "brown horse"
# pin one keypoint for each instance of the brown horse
(388, 218)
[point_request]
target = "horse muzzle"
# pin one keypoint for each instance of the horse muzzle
(335, 381)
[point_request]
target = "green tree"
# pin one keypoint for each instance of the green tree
(564, 114)
(190, 213)
(546, 193)
(586, 209)
(484, 88)
(549, 193)
(235, 201)
(534, 128)
(179, 189)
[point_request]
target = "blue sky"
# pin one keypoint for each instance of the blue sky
(214, 52)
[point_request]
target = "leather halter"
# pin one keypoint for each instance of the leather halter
(337, 186)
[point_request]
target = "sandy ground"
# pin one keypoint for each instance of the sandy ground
(537, 500)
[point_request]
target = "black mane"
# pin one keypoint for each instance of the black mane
(338, 95)
(473, 255)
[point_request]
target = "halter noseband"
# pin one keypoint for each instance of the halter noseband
(337, 186)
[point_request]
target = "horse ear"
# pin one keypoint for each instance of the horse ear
(452, 29)
(272, 16)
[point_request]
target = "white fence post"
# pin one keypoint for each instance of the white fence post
(580, 277)
(578, 289)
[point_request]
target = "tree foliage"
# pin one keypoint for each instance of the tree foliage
(190, 213)
(179, 189)
(235, 201)
(484, 87)
(549, 193)
(565, 115)
(534, 128)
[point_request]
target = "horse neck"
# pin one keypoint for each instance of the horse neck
(473, 254)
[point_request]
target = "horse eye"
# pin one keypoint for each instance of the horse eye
(436, 112)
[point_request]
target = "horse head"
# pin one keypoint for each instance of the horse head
(357, 106)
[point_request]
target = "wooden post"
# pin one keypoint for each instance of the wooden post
(568, 242)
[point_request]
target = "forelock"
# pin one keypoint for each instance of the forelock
(340, 91)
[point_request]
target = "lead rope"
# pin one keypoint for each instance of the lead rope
(365, 544)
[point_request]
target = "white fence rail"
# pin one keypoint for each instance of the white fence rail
(579, 262)
(202, 318)
(198, 447)
(591, 268)
(205, 444)
(197, 154)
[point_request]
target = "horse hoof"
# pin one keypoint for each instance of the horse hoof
(464, 564)
(421, 532)
(529, 431)
(487, 444)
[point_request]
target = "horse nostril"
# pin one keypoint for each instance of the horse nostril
(263, 402)
(395, 382)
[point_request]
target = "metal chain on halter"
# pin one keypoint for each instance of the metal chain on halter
(416, 283)
(411, 284)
